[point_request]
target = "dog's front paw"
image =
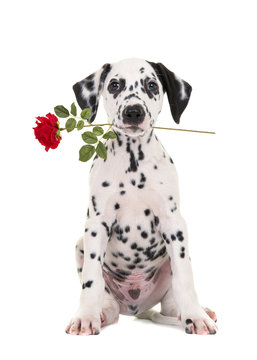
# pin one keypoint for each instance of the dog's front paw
(198, 323)
(85, 323)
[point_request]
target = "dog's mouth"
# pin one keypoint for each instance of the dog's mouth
(132, 130)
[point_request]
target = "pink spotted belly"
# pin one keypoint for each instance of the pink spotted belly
(140, 290)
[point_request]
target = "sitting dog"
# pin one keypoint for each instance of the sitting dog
(134, 251)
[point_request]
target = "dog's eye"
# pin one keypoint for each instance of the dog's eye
(114, 86)
(152, 86)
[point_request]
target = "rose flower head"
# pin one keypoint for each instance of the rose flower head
(47, 131)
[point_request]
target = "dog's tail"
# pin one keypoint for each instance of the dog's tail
(157, 317)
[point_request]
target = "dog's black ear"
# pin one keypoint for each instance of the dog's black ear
(178, 90)
(88, 90)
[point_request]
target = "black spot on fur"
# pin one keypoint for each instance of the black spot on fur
(150, 136)
(89, 85)
(156, 220)
(93, 255)
(133, 246)
(107, 290)
(152, 241)
(140, 153)
(147, 212)
(134, 293)
(137, 260)
(133, 308)
(94, 203)
(121, 184)
(88, 284)
(118, 139)
(116, 274)
(105, 184)
(152, 228)
(182, 255)
(118, 229)
(116, 206)
(180, 236)
(131, 267)
(93, 233)
(92, 100)
(133, 162)
(150, 276)
(144, 234)
(127, 229)
(107, 228)
(123, 272)
(142, 178)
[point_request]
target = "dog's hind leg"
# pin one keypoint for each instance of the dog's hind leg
(111, 309)
(169, 314)
(159, 318)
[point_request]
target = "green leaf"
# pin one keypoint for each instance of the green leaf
(73, 109)
(80, 124)
(110, 135)
(85, 114)
(61, 111)
(86, 152)
(89, 137)
(101, 150)
(98, 130)
(70, 124)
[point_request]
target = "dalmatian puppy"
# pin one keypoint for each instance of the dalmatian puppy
(134, 250)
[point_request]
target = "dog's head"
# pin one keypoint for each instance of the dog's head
(133, 91)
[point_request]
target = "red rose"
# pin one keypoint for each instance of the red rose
(47, 131)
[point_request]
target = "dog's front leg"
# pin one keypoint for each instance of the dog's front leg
(193, 317)
(87, 319)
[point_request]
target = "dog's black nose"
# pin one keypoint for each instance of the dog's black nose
(134, 114)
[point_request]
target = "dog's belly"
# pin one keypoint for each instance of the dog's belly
(136, 268)
(141, 289)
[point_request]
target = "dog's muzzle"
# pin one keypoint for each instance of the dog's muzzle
(133, 115)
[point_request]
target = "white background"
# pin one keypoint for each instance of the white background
(47, 46)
